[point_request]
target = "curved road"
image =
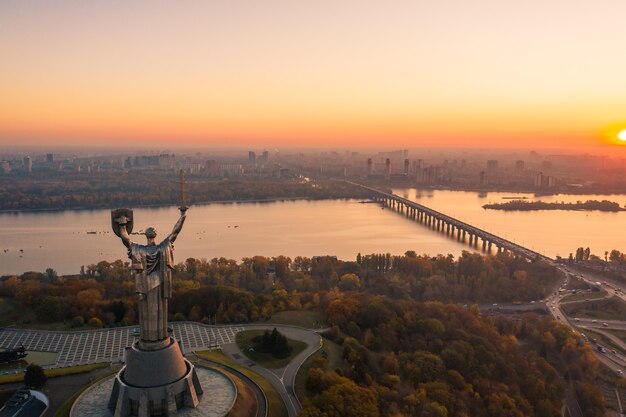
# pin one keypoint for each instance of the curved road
(283, 379)
(261, 400)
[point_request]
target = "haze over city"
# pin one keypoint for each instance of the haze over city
(481, 73)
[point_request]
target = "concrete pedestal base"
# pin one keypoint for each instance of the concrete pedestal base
(156, 381)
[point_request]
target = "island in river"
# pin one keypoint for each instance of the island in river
(589, 205)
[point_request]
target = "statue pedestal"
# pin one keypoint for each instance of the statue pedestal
(156, 381)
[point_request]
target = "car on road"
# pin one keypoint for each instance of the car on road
(605, 325)
(594, 321)
(620, 372)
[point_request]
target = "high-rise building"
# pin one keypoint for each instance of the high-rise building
(252, 157)
(370, 169)
(49, 158)
(6, 167)
(388, 167)
(519, 165)
(406, 167)
(28, 164)
(266, 156)
(492, 165)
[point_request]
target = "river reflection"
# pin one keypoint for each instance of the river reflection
(66, 240)
(551, 233)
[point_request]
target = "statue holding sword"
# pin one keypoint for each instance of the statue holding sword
(152, 266)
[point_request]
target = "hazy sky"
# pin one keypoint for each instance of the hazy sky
(327, 73)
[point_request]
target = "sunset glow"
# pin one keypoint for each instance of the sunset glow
(312, 73)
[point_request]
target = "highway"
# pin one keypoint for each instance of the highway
(616, 361)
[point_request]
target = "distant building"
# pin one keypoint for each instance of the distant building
(492, 166)
(388, 167)
(49, 158)
(5, 166)
(406, 167)
(538, 180)
(519, 165)
(370, 167)
(252, 157)
(28, 164)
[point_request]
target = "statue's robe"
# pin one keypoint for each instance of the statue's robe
(152, 266)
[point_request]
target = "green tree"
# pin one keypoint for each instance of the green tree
(34, 376)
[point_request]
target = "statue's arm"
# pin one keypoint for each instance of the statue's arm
(123, 232)
(179, 225)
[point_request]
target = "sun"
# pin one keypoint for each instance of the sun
(622, 135)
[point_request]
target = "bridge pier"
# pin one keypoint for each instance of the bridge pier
(489, 246)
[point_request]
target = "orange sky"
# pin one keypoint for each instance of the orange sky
(481, 73)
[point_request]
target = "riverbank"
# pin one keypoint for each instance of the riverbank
(166, 205)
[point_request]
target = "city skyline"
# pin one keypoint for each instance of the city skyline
(480, 74)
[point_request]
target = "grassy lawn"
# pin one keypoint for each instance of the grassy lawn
(245, 343)
(276, 407)
(619, 333)
(611, 309)
(330, 351)
(577, 284)
(52, 373)
(303, 318)
(584, 296)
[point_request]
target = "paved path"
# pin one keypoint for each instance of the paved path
(261, 401)
(107, 345)
(283, 379)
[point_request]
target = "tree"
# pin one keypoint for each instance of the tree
(51, 275)
(78, 321)
(349, 282)
(95, 322)
(34, 376)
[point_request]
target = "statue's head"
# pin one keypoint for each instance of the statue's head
(151, 233)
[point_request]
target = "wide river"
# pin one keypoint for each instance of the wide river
(65, 240)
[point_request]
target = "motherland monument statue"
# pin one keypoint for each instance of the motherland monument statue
(156, 379)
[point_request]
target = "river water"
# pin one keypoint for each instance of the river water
(65, 240)
(552, 233)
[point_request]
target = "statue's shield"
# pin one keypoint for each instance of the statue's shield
(115, 217)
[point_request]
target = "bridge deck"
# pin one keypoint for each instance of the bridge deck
(483, 234)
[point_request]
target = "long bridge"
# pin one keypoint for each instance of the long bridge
(448, 225)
